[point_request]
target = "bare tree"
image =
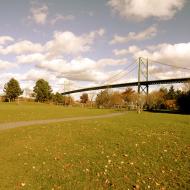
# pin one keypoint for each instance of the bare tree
(156, 99)
(186, 86)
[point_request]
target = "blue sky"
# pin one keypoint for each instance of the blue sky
(86, 42)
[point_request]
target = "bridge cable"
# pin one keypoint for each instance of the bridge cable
(121, 72)
(168, 64)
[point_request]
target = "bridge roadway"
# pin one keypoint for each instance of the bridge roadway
(153, 82)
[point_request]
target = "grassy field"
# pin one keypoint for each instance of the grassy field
(146, 151)
(10, 112)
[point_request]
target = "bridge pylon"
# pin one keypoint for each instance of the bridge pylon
(143, 76)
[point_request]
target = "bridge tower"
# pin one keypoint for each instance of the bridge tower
(143, 75)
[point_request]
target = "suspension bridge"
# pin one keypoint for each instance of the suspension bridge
(144, 68)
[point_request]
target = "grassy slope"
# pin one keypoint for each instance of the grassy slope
(10, 112)
(148, 150)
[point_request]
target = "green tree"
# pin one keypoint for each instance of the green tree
(42, 91)
(178, 93)
(103, 99)
(171, 93)
(58, 98)
(164, 91)
(183, 101)
(84, 98)
(163, 98)
(12, 90)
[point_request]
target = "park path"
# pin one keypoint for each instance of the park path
(34, 122)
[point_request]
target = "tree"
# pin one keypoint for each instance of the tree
(171, 93)
(115, 99)
(91, 96)
(156, 99)
(84, 98)
(42, 91)
(178, 93)
(164, 91)
(183, 101)
(58, 98)
(68, 100)
(12, 90)
(108, 99)
(186, 86)
(129, 95)
(103, 99)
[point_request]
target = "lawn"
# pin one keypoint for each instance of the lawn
(145, 151)
(10, 112)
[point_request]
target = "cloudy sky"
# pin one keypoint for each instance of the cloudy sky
(80, 43)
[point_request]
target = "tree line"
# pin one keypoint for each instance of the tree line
(42, 92)
(161, 99)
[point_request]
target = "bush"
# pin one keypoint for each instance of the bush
(183, 102)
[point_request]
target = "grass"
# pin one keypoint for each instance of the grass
(10, 112)
(146, 151)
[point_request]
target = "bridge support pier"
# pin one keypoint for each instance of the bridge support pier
(142, 88)
(143, 75)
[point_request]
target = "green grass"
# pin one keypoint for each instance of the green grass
(145, 151)
(10, 112)
(150, 151)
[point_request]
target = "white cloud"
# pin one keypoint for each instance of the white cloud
(60, 17)
(90, 76)
(124, 52)
(69, 43)
(35, 74)
(31, 58)
(62, 43)
(120, 52)
(132, 36)
(111, 62)
(176, 54)
(75, 66)
(21, 47)
(54, 67)
(5, 39)
(99, 32)
(56, 71)
(5, 65)
(39, 13)
(83, 69)
(172, 54)
(143, 9)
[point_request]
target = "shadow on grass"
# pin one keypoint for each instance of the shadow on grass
(168, 111)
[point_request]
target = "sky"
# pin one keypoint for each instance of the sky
(82, 43)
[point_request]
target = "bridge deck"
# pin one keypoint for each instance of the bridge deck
(154, 82)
